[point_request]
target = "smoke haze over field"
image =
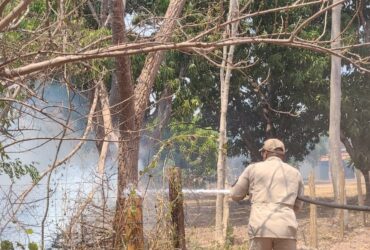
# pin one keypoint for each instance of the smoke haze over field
(69, 182)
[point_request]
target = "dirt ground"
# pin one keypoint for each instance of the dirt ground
(200, 220)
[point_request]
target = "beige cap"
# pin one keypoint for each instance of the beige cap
(272, 144)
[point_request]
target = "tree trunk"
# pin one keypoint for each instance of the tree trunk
(335, 155)
(153, 61)
(225, 75)
(130, 107)
(104, 11)
(98, 126)
(335, 158)
(124, 116)
(313, 211)
(128, 148)
(360, 195)
(14, 14)
(366, 174)
(163, 115)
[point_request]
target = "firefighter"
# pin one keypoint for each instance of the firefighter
(272, 186)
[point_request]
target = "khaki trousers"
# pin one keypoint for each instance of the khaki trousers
(272, 243)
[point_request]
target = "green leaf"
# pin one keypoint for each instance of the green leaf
(32, 246)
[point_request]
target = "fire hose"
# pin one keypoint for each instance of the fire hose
(334, 205)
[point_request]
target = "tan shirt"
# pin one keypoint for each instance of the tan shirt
(273, 187)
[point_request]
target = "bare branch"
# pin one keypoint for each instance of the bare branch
(41, 111)
(146, 47)
(254, 14)
(3, 5)
(153, 60)
(313, 17)
(53, 166)
(14, 14)
(6, 109)
(108, 130)
(15, 23)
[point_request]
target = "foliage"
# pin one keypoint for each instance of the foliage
(295, 115)
(16, 169)
(283, 92)
(6, 245)
(32, 246)
(192, 148)
(356, 118)
(199, 92)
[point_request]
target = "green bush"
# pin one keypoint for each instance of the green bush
(6, 245)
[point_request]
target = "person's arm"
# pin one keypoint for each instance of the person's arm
(240, 189)
(298, 204)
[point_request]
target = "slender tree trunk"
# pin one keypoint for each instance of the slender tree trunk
(366, 174)
(225, 75)
(163, 114)
(335, 155)
(153, 60)
(366, 23)
(104, 11)
(360, 195)
(93, 13)
(269, 125)
(98, 126)
(14, 14)
(164, 109)
(335, 158)
(313, 211)
(124, 114)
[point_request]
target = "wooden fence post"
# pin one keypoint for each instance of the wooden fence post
(177, 207)
(313, 212)
(360, 195)
(134, 223)
(226, 215)
(341, 201)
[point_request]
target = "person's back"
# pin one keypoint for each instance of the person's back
(273, 187)
(273, 191)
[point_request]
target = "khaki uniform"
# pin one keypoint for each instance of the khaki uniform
(273, 187)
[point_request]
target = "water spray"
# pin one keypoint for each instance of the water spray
(206, 191)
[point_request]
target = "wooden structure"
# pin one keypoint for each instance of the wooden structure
(177, 207)
(133, 223)
(360, 195)
(313, 212)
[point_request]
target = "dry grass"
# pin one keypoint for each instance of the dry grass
(325, 190)
(200, 221)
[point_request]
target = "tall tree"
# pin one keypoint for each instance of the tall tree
(225, 76)
(295, 116)
(132, 101)
(267, 99)
(335, 156)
